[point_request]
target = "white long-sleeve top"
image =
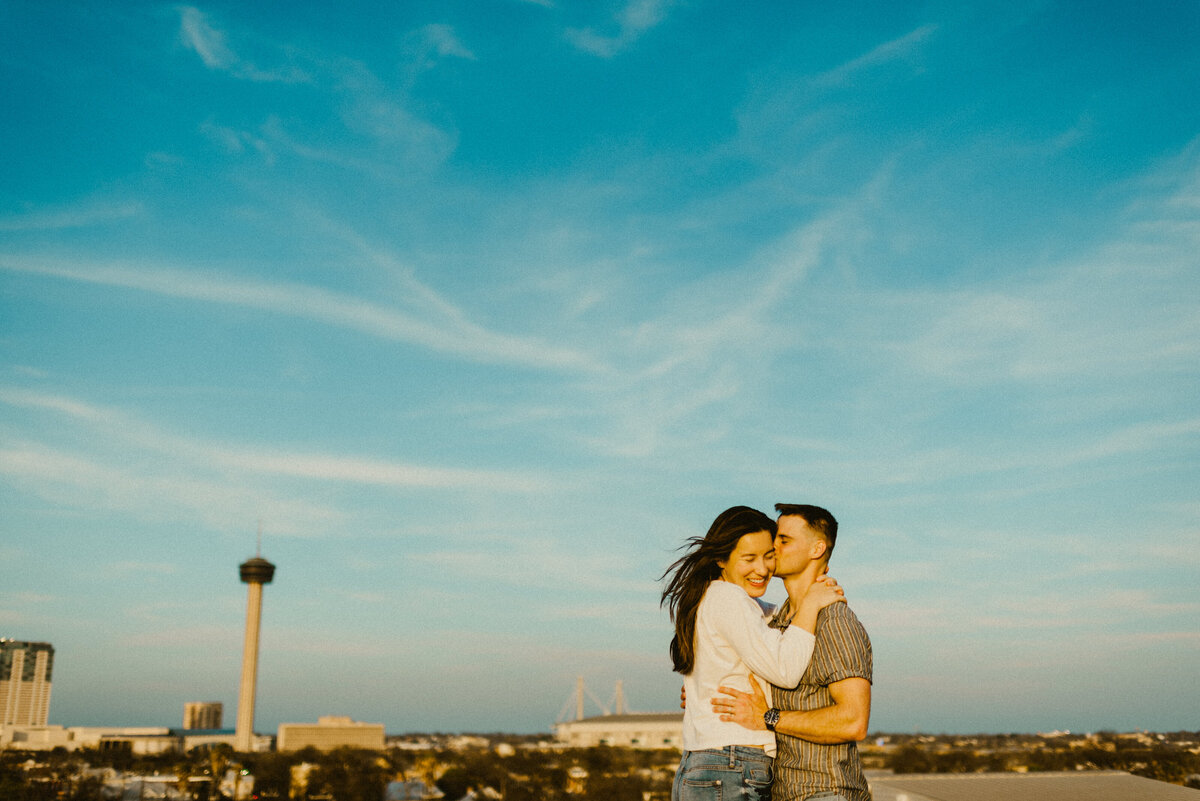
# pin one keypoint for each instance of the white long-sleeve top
(733, 640)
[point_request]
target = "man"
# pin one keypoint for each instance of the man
(819, 722)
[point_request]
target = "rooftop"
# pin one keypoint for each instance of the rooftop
(1074, 786)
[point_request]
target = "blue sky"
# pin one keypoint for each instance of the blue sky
(482, 308)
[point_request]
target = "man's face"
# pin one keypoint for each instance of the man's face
(795, 545)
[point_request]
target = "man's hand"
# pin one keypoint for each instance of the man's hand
(683, 697)
(744, 709)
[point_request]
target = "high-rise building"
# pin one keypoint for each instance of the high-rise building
(202, 715)
(25, 669)
(255, 572)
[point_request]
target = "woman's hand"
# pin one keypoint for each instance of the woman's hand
(823, 592)
(744, 709)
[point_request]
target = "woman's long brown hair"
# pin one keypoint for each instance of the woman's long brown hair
(691, 574)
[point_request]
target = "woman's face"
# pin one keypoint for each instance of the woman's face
(751, 564)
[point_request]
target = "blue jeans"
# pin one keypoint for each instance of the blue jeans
(732, 773)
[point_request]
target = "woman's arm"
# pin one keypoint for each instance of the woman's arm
(779, 656)
(820, 594)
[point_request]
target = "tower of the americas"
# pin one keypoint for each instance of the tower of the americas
(256, 572)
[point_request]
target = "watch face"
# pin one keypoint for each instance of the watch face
(771, 717)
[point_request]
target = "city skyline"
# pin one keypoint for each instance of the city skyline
(483, 309)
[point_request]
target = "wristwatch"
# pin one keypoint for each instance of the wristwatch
(771, 717)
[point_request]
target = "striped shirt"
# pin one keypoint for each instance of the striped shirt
(802, 768)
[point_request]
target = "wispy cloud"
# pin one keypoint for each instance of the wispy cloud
(901, 48)
(367, 471)
(1183, 555)
(234, 141)
(786, 107)
(449, 334)
(211, 44)
(367, 106)
(317, 467)
(1122, 306)
(208, 42)
(161, 492)
(136, 468)
(1085, 319)
(371, 108)
(52, 403)
(429, 43)
(709, 340)
(81, 216)
(635, 19)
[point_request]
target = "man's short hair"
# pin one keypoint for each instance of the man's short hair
(818, 519)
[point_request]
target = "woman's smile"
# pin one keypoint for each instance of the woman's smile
(751, 564)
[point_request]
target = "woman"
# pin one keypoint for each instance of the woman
(721, 638)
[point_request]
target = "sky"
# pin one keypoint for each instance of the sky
(479, 309)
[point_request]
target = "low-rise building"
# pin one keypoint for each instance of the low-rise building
(139, 739)
(330, 732)
(135, 739)
(658, 730)
(36, 738)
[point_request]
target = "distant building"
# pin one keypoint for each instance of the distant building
(148, 742)
(624, 728)
(202, 715)
(633, 731)
(328, 733)
(25, 669)
(134, 739)
(36, 738)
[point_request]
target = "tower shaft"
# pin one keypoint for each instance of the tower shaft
(244, 734)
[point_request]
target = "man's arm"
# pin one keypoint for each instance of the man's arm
(843, 721)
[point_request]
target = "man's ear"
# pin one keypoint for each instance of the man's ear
(818, 549)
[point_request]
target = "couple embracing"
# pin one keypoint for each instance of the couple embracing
(776, 699)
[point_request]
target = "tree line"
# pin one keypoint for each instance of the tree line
(346, 774)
